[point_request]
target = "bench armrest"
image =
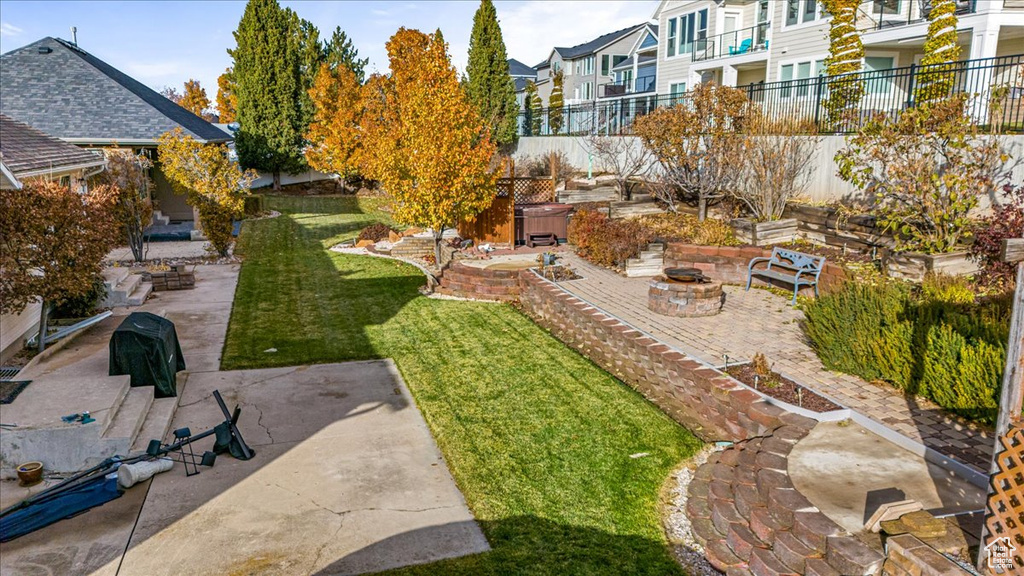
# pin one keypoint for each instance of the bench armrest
(753, 261)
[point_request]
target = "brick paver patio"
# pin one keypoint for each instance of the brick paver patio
(759, 321)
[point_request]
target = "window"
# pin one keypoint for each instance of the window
(65, 181)
(672, 34)
(800, 71)
(878, 83)
(605, 65)
(676, 91)
(801, 11)
(588, 64)
(693, 30)
(887, 6)
(587, 91)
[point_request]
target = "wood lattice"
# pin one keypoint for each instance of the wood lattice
(528, 190)
(1004, 516)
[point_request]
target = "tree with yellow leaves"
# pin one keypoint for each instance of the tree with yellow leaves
(334, 143)
(432, 153)
(214, 184)
(227, 100)
(195, 100)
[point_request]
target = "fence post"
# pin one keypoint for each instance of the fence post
(910, 87)
(817, 98)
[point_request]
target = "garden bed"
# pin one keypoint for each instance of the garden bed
(784, 389)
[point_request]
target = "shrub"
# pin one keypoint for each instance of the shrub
(376, 232)
(937, 341)
(252, 205)
(687, 228)
(1006, 221)
(82, 305)
(604, 241)
(544, 165)
(774, 165)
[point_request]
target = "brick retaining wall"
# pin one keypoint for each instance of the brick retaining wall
(728, 264)
(480, 283)
(743, 506)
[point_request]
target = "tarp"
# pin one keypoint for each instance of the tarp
(68, 503)
(145, 346)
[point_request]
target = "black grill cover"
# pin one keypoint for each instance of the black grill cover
(145, 346)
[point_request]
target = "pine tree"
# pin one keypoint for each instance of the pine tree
(490, 87)
(536, 108)
(269, 91)
(339, 51)
(310, 55)
(940, 51)
(844, 57)
(556, 101)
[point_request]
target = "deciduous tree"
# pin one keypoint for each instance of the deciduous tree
(698, 143)
(556, 102)
(227, 100)
(212, 182)
(195, 100)
(774, 164)
(334, 134)
(926, 170)
(172, 94)
(845, 53)
(625, 158)
(936, 80)
(432, 151)
(53, 240)
(127, 173)
(490, 87)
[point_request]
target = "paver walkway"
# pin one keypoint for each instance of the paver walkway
(759, 321)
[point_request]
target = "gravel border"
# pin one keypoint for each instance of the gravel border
(685, 547)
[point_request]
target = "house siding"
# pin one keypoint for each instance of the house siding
(16, 328)
(621, 47)
(799, 43)
(675, 69)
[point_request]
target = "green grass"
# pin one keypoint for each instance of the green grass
(536, 436)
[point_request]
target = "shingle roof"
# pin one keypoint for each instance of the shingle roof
(520, 83)
(25, 150)
(594, 45)
(517, 68)
(65, 91)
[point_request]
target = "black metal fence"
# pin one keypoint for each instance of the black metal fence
(994, 87)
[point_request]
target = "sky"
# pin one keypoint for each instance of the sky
(165, 43)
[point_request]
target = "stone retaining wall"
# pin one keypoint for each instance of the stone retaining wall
(728, 264)
(743, 506)
(480, 283)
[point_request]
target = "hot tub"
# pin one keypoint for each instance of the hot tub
(542, 224)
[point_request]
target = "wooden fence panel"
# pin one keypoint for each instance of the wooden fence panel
(1005, 514)
(496, 225)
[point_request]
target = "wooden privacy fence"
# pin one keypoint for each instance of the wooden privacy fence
(496, 224)
(1005, 519)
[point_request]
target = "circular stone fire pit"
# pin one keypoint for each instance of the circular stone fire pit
(684, 299)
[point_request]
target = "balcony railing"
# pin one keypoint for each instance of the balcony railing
(887, 14)
(735, 43)
(641, 85)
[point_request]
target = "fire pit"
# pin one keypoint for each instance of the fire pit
(684, 292)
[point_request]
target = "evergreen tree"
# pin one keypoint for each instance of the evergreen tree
(556, 102)
(845, 52)
(310, 55)
(339, 51)
(269, 90)
(536, 106)
(490, 87)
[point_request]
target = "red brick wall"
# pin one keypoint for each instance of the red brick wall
(728, 264)
(702, 399)
(480, 283)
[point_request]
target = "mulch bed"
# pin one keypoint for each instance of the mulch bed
(558, 273)
(9, 389)
(784, 389)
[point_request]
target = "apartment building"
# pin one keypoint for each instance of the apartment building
(587, 66)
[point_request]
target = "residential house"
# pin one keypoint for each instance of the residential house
(521, 75)
(59, 88)
(586, 66)
(26, 154)
(746, 42)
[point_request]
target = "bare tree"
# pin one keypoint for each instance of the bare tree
(624, 157)
(775, 165)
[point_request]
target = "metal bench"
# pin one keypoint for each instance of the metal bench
(797, 268)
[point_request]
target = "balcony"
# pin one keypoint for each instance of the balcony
(641, 85)
(887, 14)
(735, 43)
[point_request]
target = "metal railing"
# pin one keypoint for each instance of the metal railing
(639, 85)
(892, 13)
(994, 86)
(735, 43)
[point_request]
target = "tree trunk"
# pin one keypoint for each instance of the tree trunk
(702, 208)
(437, 248)
(277, 181)
(136, 239)
(44, 315)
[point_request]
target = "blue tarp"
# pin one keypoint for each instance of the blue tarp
(71, 502)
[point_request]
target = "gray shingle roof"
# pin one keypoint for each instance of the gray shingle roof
(517, 68)
(67, 92)
(594, 45)
(25, 150)
(520, 83)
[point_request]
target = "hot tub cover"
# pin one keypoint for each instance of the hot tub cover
(145, 346)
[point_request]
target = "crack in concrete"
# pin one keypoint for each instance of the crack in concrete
(259, 420)
(291, 371)
(350, 511)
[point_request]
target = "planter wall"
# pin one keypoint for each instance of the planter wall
(479, 283)
(765, 233)
(823, 225)
(914, 265)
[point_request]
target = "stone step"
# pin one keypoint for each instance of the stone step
(132, 413)
(631, 209)
(157, 423)
(648, 255)
(656, 247)
(642, 271)
(139, 295)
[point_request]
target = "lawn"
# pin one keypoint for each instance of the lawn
(537, 437)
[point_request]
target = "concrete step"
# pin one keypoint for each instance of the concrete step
(656, 247)
(649, 255)
(139, 295)
(157, 423)
(159, 218)
(128, 285)
(642, 271)
(132, 413)
(114, 275)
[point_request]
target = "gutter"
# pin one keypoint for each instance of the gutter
(10, 176)
(55, 169)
